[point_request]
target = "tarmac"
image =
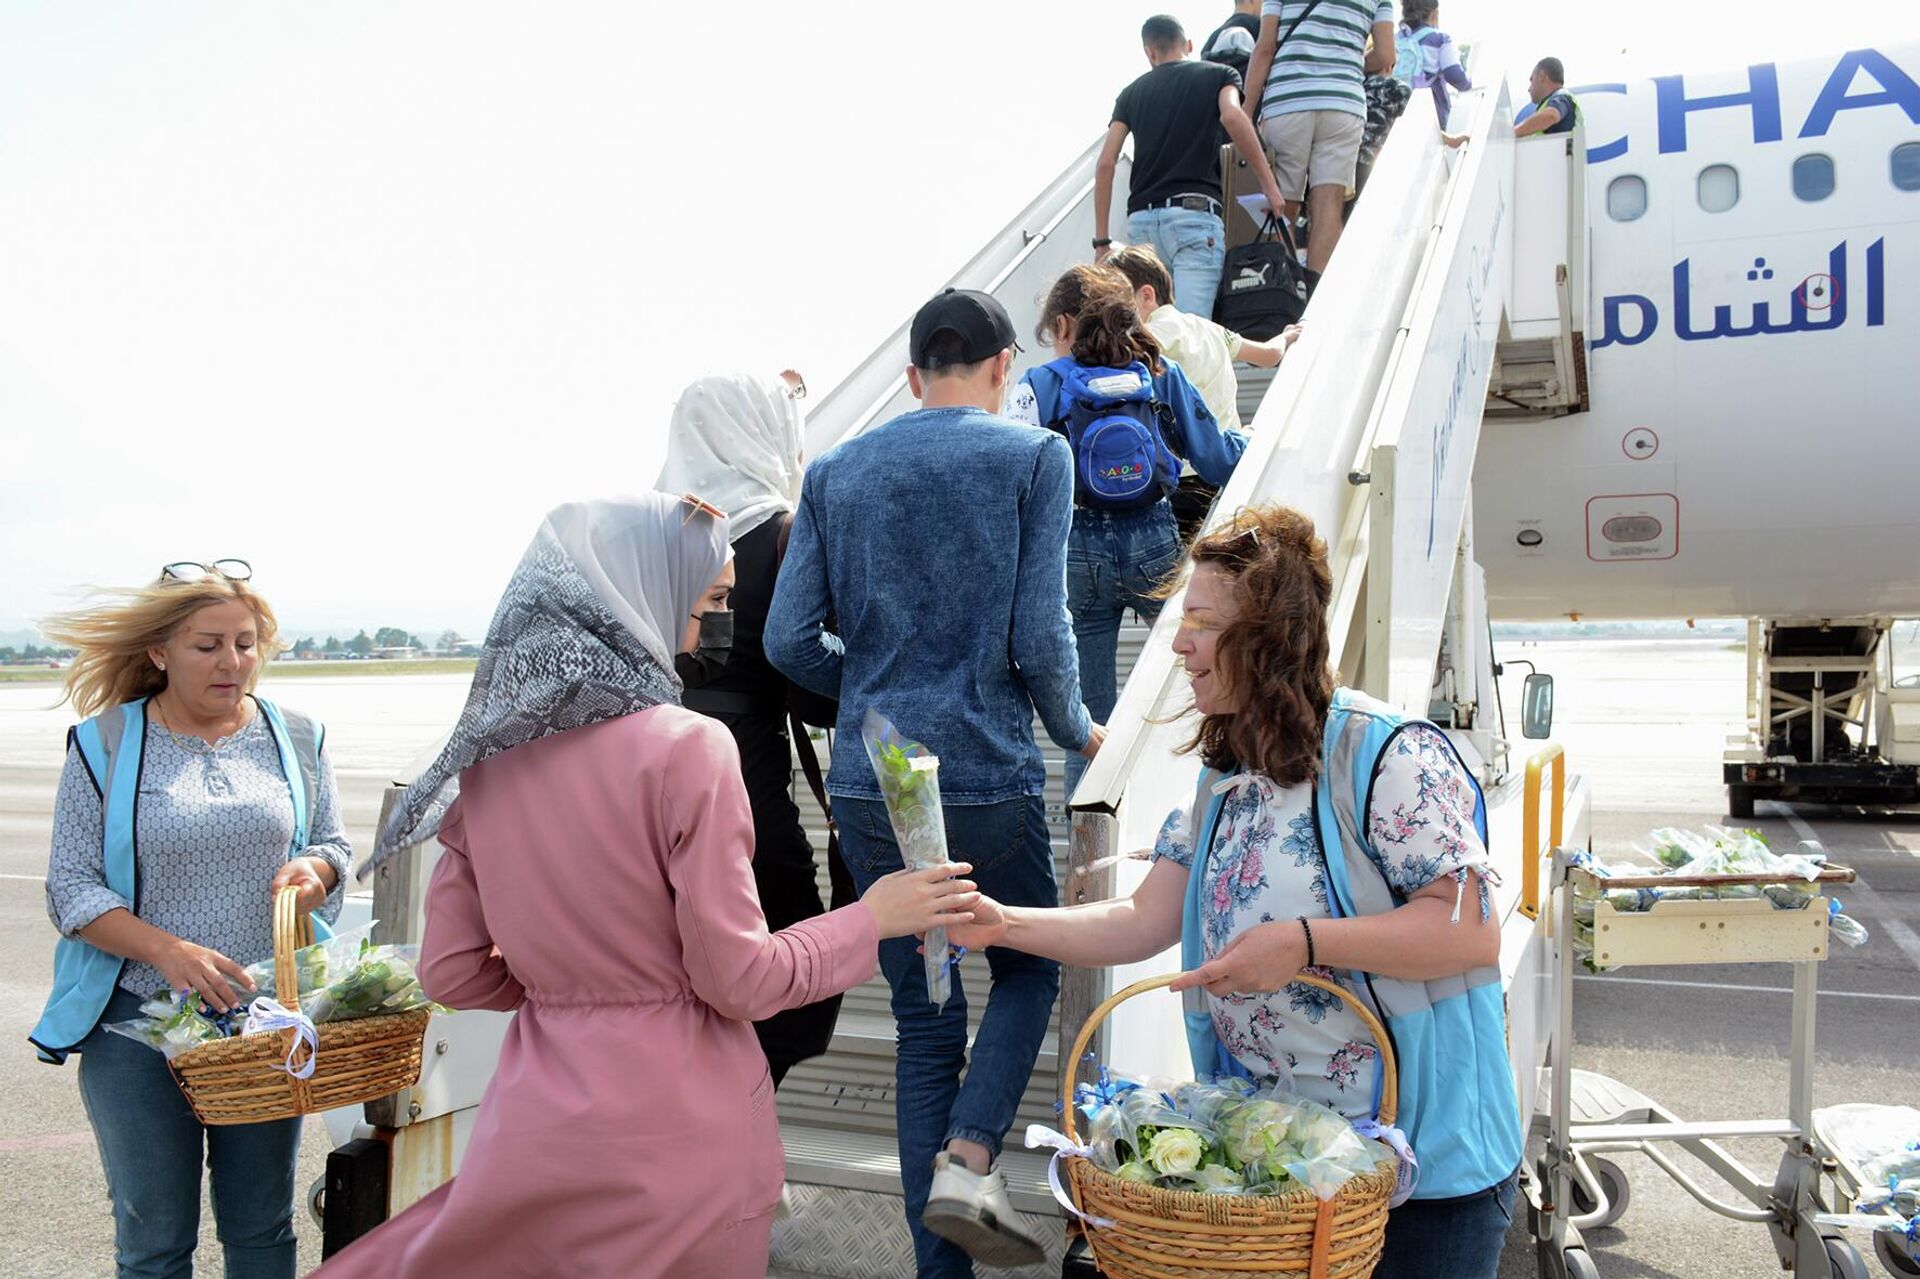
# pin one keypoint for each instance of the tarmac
(1645, 721)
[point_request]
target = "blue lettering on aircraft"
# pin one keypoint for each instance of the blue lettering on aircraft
(1761, 102)
(1672, 104)
(1817, 305)
(1897, 89)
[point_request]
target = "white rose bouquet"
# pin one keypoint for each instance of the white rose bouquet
(1225, 1136)
(909, 777)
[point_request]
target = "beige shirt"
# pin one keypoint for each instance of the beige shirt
(1205, 353)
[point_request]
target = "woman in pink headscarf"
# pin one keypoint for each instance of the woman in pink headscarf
(597, 880)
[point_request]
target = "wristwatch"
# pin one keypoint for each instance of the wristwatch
(1102, 242)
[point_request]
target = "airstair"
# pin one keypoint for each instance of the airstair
(1370, 427)
(1435, 301)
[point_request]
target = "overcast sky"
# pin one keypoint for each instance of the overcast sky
(357, 290)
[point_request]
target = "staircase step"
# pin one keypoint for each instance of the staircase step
(871, 1161)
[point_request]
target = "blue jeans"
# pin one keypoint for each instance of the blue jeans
(1458, 1238)
(1194, 247)
(1012, 861)
(1116, 560)
(152, 1149)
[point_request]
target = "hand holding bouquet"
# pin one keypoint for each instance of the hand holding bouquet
(909, 777)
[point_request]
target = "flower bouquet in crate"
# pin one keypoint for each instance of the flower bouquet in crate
(1691, 856)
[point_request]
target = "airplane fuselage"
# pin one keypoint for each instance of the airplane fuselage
(1753, 444)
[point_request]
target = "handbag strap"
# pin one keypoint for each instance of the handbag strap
(1295, 26)
(844, 892)
(1280, 44)
(1277, 224)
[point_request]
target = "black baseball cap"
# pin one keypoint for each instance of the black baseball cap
(978, 318)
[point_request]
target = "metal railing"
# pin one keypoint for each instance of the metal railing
(1531, 849)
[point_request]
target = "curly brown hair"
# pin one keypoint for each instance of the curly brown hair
(1273, 657)
(1107, 328)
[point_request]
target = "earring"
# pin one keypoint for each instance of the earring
(161, 665)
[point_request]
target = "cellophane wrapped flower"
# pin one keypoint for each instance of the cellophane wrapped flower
(1226, 1136)
(172, 1022)
(909, 778)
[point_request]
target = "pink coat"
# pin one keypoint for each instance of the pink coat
(600, 883)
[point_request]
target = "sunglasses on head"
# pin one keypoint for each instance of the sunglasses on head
(193, 571)
(699, 506)
(1241, 547)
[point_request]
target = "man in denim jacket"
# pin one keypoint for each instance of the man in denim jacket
(937, 544)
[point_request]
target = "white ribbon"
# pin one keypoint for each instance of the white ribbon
(1038, 1136)
(1409, 1174)
(266, 1014)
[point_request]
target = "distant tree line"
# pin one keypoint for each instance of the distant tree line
(364, 645)
(12, 656)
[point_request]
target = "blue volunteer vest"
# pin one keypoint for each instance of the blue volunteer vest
(112, 745)
(1449, 1036)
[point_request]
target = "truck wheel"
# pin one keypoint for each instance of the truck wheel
(1740, 803)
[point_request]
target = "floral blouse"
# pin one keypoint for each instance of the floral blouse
(1267, 864)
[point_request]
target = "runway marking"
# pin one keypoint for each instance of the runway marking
(1894, 928)
(1759, 990)
(55, 1141)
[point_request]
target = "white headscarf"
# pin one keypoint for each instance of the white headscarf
(585, 631)
(736, 441)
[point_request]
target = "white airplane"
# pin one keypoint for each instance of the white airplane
(1655, 368)
(1752, 446)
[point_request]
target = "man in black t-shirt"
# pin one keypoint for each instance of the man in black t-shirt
(1175, 112)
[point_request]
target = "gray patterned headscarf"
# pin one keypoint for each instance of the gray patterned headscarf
(585, 632)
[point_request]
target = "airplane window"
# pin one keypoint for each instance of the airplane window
(1719, 188)
(1906, 166)
(1813, 177)
(1626, 198)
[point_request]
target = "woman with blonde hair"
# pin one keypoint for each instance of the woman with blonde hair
(1328, 834)
(186, 803)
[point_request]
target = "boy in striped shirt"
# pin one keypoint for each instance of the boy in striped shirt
(1308, 77)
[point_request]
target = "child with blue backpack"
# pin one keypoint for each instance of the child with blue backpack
(1129, 415)
(1425, 56)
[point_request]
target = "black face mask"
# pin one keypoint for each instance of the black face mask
(710, 650)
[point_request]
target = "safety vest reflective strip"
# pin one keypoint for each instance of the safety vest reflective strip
(112, 745)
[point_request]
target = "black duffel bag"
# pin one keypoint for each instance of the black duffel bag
(1263, 287)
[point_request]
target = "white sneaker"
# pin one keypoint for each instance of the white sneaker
(973, 1211)
(784, 1209)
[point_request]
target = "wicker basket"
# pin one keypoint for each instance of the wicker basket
(1177, 1234)
(243, 1081)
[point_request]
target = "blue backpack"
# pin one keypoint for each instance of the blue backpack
(1410, 64)
(1409, 59)
(1114, 425)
